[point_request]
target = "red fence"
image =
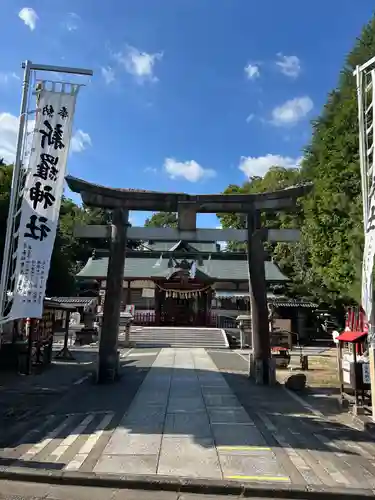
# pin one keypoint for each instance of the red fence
(145, 318)
(356, 320)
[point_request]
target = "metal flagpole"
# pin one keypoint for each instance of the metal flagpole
(28, 67)
(14, 192)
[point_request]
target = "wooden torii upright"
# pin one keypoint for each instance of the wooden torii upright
(120, 201)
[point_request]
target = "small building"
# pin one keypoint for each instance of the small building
(178, 284)
(289, 314)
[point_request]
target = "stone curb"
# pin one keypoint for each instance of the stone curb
(181, 485)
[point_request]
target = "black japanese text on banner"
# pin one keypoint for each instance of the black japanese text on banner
(41, 201)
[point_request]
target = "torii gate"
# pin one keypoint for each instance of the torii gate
(120, 201)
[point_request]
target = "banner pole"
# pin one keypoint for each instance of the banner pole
(14, 193)
(28, 67)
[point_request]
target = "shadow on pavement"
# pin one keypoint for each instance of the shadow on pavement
(7, 462)
(196, 403)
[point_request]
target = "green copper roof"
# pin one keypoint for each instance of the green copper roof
(145, 267)
(161, 246)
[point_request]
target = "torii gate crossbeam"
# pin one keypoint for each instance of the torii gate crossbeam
(120, 201)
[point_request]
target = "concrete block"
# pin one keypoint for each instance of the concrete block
(143, 415)
(220, 390)
(185, 458)
(228, 416)
(253, 466)
(127, 464)
(221, 401)
(187, 424)
(237, 436)
(186, 405)
(124, 442)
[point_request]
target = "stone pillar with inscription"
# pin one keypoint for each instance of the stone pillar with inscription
(107, 370)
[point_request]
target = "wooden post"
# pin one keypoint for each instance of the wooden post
(108, 357)
(261, 358)
(128, 294)
(157, 305)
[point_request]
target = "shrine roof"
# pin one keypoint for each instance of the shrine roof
(163, 246)
(145, 267)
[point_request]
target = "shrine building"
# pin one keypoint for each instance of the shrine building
(180, 284)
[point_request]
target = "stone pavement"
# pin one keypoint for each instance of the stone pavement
(192, 413)
(180, 424)
(22, 397)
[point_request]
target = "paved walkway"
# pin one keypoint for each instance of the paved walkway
(181, 423)
(194, 416)
(22, 397)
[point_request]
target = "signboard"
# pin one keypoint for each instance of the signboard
(41, 201)
(148, 293)
(366, 373)
(142, 284)
(346, 371)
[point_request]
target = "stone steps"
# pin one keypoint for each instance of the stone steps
(214, 338)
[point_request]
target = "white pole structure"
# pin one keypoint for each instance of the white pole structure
(8, 248)
(28, 67)
(365, 81)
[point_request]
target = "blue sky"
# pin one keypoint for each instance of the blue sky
(187, 95)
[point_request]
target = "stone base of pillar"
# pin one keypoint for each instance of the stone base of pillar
(108, 368)
(258, 372)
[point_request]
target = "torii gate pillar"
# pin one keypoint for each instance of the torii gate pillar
(108, 362)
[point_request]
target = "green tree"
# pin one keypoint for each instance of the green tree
(5, 185)
(333, 229)
(162, 219)
(275, 178)
(69, 253)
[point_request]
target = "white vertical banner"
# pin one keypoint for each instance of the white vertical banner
(366, 100)
(41, 201)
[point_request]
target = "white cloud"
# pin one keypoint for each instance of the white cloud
(259, 165)
(289, 65)
(151, 170)
(250, 118)
(72, 21)
(292, 111)
(8, 137)
(189, 170)
(252, 71)
(108, 74)
(80, 141)
(8, 77)
(29, 17)
(139, 64)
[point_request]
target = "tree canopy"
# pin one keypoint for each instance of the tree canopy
(162, 219)
(326, 263)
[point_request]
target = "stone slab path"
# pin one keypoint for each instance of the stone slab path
(185, 421)
(194, 414)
